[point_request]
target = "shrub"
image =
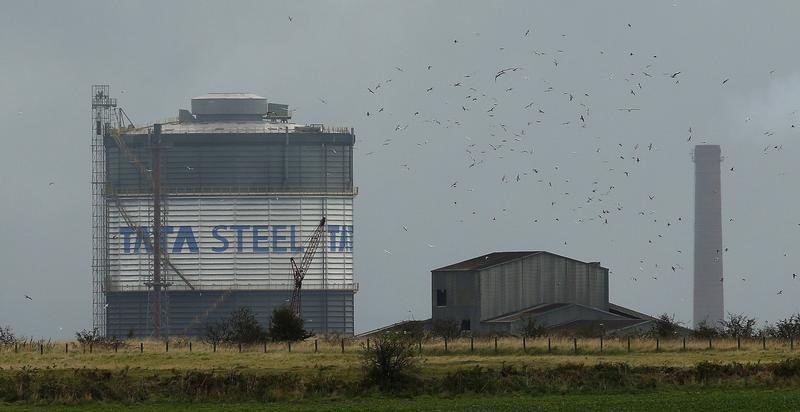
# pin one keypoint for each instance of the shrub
(286, 326)
(7, 336)
(666, 326)
(445, 328)
(704, 330)
(241, 326)
(389, 361)
(787, 328)
(738, 325)
(532, 329)
(94, 338)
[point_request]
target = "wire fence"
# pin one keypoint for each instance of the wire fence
(430, 347)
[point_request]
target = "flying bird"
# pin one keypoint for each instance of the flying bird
(28, 297)
(504, 71)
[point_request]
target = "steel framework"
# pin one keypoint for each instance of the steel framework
(103, 106)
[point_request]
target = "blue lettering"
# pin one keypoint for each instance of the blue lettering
(333, 230)
(164, 235)
(256, 238)
(126, 233)
(142, 234)
(276, 238)
(239, 236)
(222, 239)
(293, 240)
(185, 237)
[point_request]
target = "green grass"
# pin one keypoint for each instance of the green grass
(650, 379)
(673, 400)
(303, 359)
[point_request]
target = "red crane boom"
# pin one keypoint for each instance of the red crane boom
(310, 248)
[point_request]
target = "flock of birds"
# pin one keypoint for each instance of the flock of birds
(511, 142)
(482, 99)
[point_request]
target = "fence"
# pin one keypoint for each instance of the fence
(431, 347)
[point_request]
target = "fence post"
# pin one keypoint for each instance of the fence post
(115, 347)
(315, 346)
(368, 343)
(190, 346)
(166, 346)
(495, 344)
(791, 342)
(658, 347)
(240, 348)
(419, 345)
(90, 347)
(471, 344)
(141, 347)
(66, 348)
(265, 346)
(445, 343)
(342, 345)
(684, 343)
(16, 347)
(738, 342)
(764, 342)
(709, 343)
(601, 343)
(548, 345)
(214, 346)
(289, 344)
(41, 349)
(629, 343)
(524, 347)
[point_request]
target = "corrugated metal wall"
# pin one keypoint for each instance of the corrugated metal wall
(538, 279)
(265, 226)
(192, 312)
(238, 206)
(264, 163)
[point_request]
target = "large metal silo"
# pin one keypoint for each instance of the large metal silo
(242, 188)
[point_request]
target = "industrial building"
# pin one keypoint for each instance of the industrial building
(200, 215)
(500, 293)
(708, 279)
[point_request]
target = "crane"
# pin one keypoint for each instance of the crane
(310, 248)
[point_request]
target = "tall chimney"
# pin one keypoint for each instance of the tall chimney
(708, 281)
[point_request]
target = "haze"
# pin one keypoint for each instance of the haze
(447, 174)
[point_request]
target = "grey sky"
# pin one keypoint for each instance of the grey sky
(162, 54)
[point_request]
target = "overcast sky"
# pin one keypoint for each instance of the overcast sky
(477, 164)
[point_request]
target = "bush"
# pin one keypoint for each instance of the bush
(666, 326)
(738, 325)
(445, 328)
(532, 329)
(389, 361)
(7, 336)
(240, 327)
(704, 330)
(94, 338)
(787, 328)
(286, 326)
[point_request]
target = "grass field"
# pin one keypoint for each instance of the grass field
(435, 359)
(465, 375)
(705, 400)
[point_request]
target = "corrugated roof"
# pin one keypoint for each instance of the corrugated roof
(496, 258)
(533, 310)
(485, 261)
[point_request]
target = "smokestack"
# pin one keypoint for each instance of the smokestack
(708, 282)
